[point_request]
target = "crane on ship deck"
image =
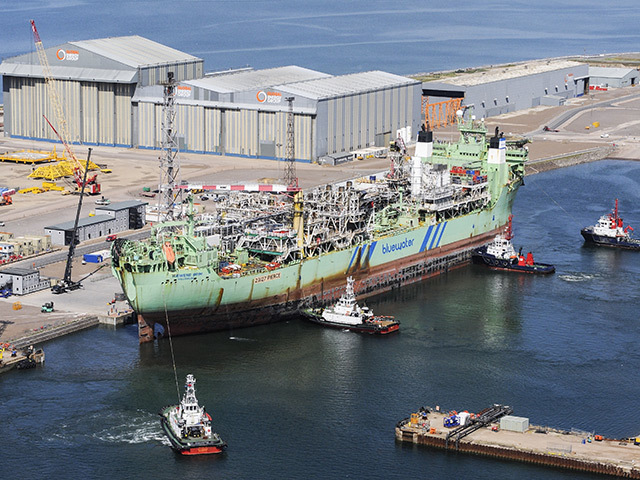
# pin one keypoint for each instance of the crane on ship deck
(92, 184)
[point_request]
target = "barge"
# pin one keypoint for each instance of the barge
(494, 432)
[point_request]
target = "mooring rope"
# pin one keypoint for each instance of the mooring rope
(173, 358)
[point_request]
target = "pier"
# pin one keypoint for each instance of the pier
(494, 433)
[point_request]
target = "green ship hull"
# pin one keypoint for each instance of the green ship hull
(195, 296)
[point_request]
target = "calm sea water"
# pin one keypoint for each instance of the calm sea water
(336, 36)
(294, 400)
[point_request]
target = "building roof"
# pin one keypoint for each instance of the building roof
(71, 73)
(82, 222)
(18, 271)
(610, 72)
(255, 79)
(346, 84)
(483, 75)
(121, 205)
(115, 60)
(135, 51)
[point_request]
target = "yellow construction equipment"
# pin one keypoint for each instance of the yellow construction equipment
(32, 190)
(52, 186)
(32, 156)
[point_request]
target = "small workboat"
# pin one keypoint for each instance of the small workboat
(347, 314)
(501, 255)
(611, 232)
(188, 425)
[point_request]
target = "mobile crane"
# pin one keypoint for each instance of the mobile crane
(66, 284)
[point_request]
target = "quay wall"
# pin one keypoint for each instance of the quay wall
(555, 460)
(569, 159)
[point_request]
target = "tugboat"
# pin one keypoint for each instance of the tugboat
(610, 232)
(501, 255)
(188, 426)
(347, 314)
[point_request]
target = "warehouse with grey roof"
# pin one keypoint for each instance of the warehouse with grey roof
(507, 88)
(112, 89)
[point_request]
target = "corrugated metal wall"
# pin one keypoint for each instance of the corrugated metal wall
(191, 127)
(240, 132)
(101, 113)
(219, 130)
(354, 121)
(213, 134)
(90, 125)
(95, 113)
(122, 117)
(146, 123)
(30, 101)
(182, 71)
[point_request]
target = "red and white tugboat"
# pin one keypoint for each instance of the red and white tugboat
(347, 314)
(501, 255)
(611, 232)
(188, 426)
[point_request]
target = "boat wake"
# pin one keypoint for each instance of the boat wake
(140, 429)
(242, 339)
(577, 277)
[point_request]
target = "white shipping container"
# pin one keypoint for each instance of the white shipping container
(514, 424)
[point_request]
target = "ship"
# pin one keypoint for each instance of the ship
(188, 425)
(346, 314)
(260, 257)
(611, 232)
(500, 255)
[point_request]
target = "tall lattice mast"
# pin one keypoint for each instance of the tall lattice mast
(290, 176)
(169, 164)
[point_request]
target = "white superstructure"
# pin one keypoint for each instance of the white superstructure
(346, 310)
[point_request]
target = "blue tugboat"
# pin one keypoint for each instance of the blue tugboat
(611, 232)
(501, 255)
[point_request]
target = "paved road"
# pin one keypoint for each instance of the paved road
(555, 122)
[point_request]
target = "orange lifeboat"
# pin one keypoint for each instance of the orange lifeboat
(168, 252)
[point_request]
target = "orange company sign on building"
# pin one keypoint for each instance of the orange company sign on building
(183, 92)
(268, 97)
(70, 55)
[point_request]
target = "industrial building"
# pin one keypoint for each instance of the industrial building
(503, 89)
(96, 80)
(23, 280)
(112, 98)
(609, 77)
(109, 219)
(128, 215)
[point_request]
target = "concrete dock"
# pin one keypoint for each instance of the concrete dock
(482, 435)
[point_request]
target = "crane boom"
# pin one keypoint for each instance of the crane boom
(53, 92)
(67, 285)
(62, 132)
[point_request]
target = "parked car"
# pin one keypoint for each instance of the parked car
(112, 237)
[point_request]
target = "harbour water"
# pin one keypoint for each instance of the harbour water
(294, 400)
(334, 36)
